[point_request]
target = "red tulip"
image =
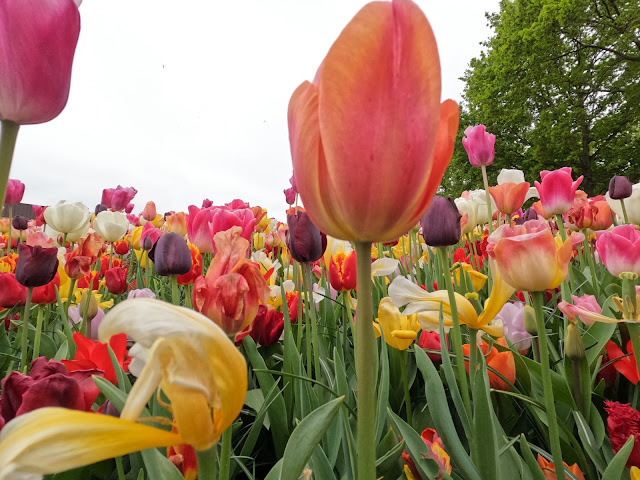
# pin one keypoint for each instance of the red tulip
(369, 138)
(116, 280)
(37, 43)
(342, 271)
(92, 354)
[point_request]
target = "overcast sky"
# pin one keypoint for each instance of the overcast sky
(188, 100)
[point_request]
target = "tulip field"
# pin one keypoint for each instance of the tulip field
(377, 328)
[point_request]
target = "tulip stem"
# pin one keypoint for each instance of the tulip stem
(473, 353)
(405, 385)
(36, 341)
(120, 468)
(366, 401)
(485, 180)
(8, 137)
(25, 329)
(225, 454)
(10, 228)
(592, 267)
(624, 211)
(552, 419)
(175, 293)
(314, 319)
(208, 463)
(457, 334)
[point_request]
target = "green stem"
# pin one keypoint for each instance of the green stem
(111, 255)
(348, 320)
(405, 384)
(485, 180)
(207, 463)
(10, 228)
(624, 211)
(457, 333)
(120, 469)
(25, 331)
(175, 293)
(364, 371)
(550, 406)
(313, 319)
(564, 236)
(592, 267)
(8, 137)
(225, 454)
(36, 341)
(473, 353)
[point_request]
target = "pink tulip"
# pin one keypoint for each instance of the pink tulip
(149, 213)
(203, 224)
(619, 249)
(557, 190)
(479, 145)
(15, 191)
(199, 228)
(118, 198)
(582, 307)
(37, 43)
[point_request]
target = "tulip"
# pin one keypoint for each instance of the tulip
(549, 469)
(441, 223)
(528, 257)
(121, 247)
(171, 255)
(557, 190)
(620, 187)
(632, 205)
(622, 422)
(141, 293)
(305, 242)
(502, 362)
(470, 209)
(196, 267)
(266, 328)
(177, 223)
(116, 280)
(67, 218)
(15, 191)
(625, 364)
(362, 172)
(149, 212)
(431, 341)
(342, 271)
(99, 208)
(601, 216)
(79, 261)
(619, 249)
(36, 265)
(436, 450)
(509, 196)
(112, 226)
(479, 145)
(20, 223)
(583, 307)
(399, 330)
(479, 197)
(512, 316)
(91, 354)
(118, 198)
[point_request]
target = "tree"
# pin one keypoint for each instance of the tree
(559, 85)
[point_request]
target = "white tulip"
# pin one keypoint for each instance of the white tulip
(632, 205)
(67, 218)
(112, 226)
(482, 212)
(471, 209)
(510, 175)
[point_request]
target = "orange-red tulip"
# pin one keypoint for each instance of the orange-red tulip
(369, 138)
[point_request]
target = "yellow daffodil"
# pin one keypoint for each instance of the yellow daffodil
(52, 440)
(399, 330)
(190, 358)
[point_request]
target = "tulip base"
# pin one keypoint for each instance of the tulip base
(208, 463)
(364, 359)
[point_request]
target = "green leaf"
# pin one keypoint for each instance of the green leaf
(320, 465)
(484, 445)
(305, 439)
(534, 468)
(383, 392)
(589, 442)
(159, 466)
(123, 380)
(618, 464)
(62, 352)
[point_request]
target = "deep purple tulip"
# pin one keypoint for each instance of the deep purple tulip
(36, 265)
(529, 214)
(620, 187)
(20, 223)
(171, 255)
(101, 207)
(441, 223)
(305, 242)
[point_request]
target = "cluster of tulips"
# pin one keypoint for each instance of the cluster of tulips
(381, 332)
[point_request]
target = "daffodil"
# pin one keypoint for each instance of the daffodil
(190, 358)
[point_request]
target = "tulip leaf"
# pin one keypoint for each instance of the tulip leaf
(123, 380)
(530, 460)
(383, 391)
(116, 396)
(441, 415)
(320, 464)
(598, 334)
(589, 442)
(484, 444)
(418, 450)
(62, 352)
(618, 464)
(159, 466)
(274, 473)
(306, 437)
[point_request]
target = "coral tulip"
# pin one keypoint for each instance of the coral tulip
(509, 196)
(369, 138)
(479, 145)
(619, 249)
(557, 190)
(549, 469)
(196, 267)
(502, 362)
(37, 44)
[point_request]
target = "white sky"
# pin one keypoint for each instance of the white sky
(188, 100)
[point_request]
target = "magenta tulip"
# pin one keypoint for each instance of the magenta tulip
(479, 145)
(557, 190)
(37, 43)
(15, 191)
(619, 249)
(118, 198)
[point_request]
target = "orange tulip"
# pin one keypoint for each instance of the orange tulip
(342, 271)
(549, 469)
(369, 138)
(501, 362)
(509, 196)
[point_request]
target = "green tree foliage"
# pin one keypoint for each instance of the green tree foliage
(559, 85)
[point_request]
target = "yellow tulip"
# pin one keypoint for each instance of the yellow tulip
(399, 330)
(52, 440)
(477, 279)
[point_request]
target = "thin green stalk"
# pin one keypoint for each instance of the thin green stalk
(457, 333)
(485, 180)
(549, 402)
(592, 267)
(8, 137)
(120, 469)
(36, 341)
(313, 319)
(187, 296)
(364, 371)
(10, 228)
(207, 463)
(111, 255)
(405, 385)
(348, 320)
(25, 331)
(564, 236)
(175, 293)
(473, 353)
(624, 211)
(225, 454)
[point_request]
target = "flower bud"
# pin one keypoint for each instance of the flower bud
(147, 243)
(92, 308)
(305, 242)
(441, 223)
(100, 208)
(19, 222)
(530, 320)
(171, 255)
(620, 187)
(573, 345)
(36, 265)
(149, 213)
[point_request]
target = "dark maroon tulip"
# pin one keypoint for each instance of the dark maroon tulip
(147, 243)
(529, 214)
(305, 242)
(101, 207)
(441, 223)
(266, 329)
(36, 265)
(20, 223)
(171, 255)
(620, 187)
